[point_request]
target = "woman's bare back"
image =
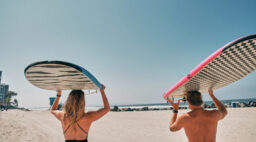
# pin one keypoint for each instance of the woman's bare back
(78, 130)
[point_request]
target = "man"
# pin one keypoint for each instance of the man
(200, 125)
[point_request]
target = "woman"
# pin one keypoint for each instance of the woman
(75, 122)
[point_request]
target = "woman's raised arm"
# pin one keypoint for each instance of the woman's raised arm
(101, 112)
(54, 108)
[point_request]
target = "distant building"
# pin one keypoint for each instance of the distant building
(4, 88)
(0, 76)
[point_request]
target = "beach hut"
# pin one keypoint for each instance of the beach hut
(52, 99)
(235, 104)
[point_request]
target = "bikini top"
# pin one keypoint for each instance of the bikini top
(77, 140)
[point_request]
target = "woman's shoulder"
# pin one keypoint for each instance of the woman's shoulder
(58, 114)
(89, 114)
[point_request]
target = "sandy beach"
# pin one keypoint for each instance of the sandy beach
(140, 126)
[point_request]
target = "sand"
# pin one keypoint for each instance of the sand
(141, 126)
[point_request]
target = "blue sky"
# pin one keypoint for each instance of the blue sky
(137, 48)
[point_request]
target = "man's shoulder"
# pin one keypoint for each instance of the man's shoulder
(184, 116)
(211, 111)
(213, 114)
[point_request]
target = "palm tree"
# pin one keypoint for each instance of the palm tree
(16, 102)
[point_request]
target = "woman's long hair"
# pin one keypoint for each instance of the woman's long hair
(74, 106)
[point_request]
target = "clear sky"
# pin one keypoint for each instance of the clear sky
(137, 48)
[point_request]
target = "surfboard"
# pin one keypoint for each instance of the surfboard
(60, 75)
(230, 63)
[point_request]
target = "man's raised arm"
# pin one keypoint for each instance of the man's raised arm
(175, 123)
(220, 106)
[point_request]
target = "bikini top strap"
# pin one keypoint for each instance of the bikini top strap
(67, 128)
(82, 129)
(78, 126)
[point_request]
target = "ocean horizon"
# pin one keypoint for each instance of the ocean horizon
(154, 105)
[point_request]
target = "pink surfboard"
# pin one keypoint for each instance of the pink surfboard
(230, 63)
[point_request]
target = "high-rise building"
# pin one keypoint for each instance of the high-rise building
(3, 91)
(4, 88)
(0, 76)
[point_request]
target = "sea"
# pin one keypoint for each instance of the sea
(155, 105)
(167, 105)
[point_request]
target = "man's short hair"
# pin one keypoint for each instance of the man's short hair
(194, 98)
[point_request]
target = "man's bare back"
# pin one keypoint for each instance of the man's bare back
(200, 125)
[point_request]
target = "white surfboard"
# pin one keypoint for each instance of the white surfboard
(59, 75)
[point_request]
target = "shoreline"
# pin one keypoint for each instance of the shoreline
(150, 108)
(235, 103)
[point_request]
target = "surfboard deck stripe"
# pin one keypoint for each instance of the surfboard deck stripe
(59, 75)
(230, 63)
